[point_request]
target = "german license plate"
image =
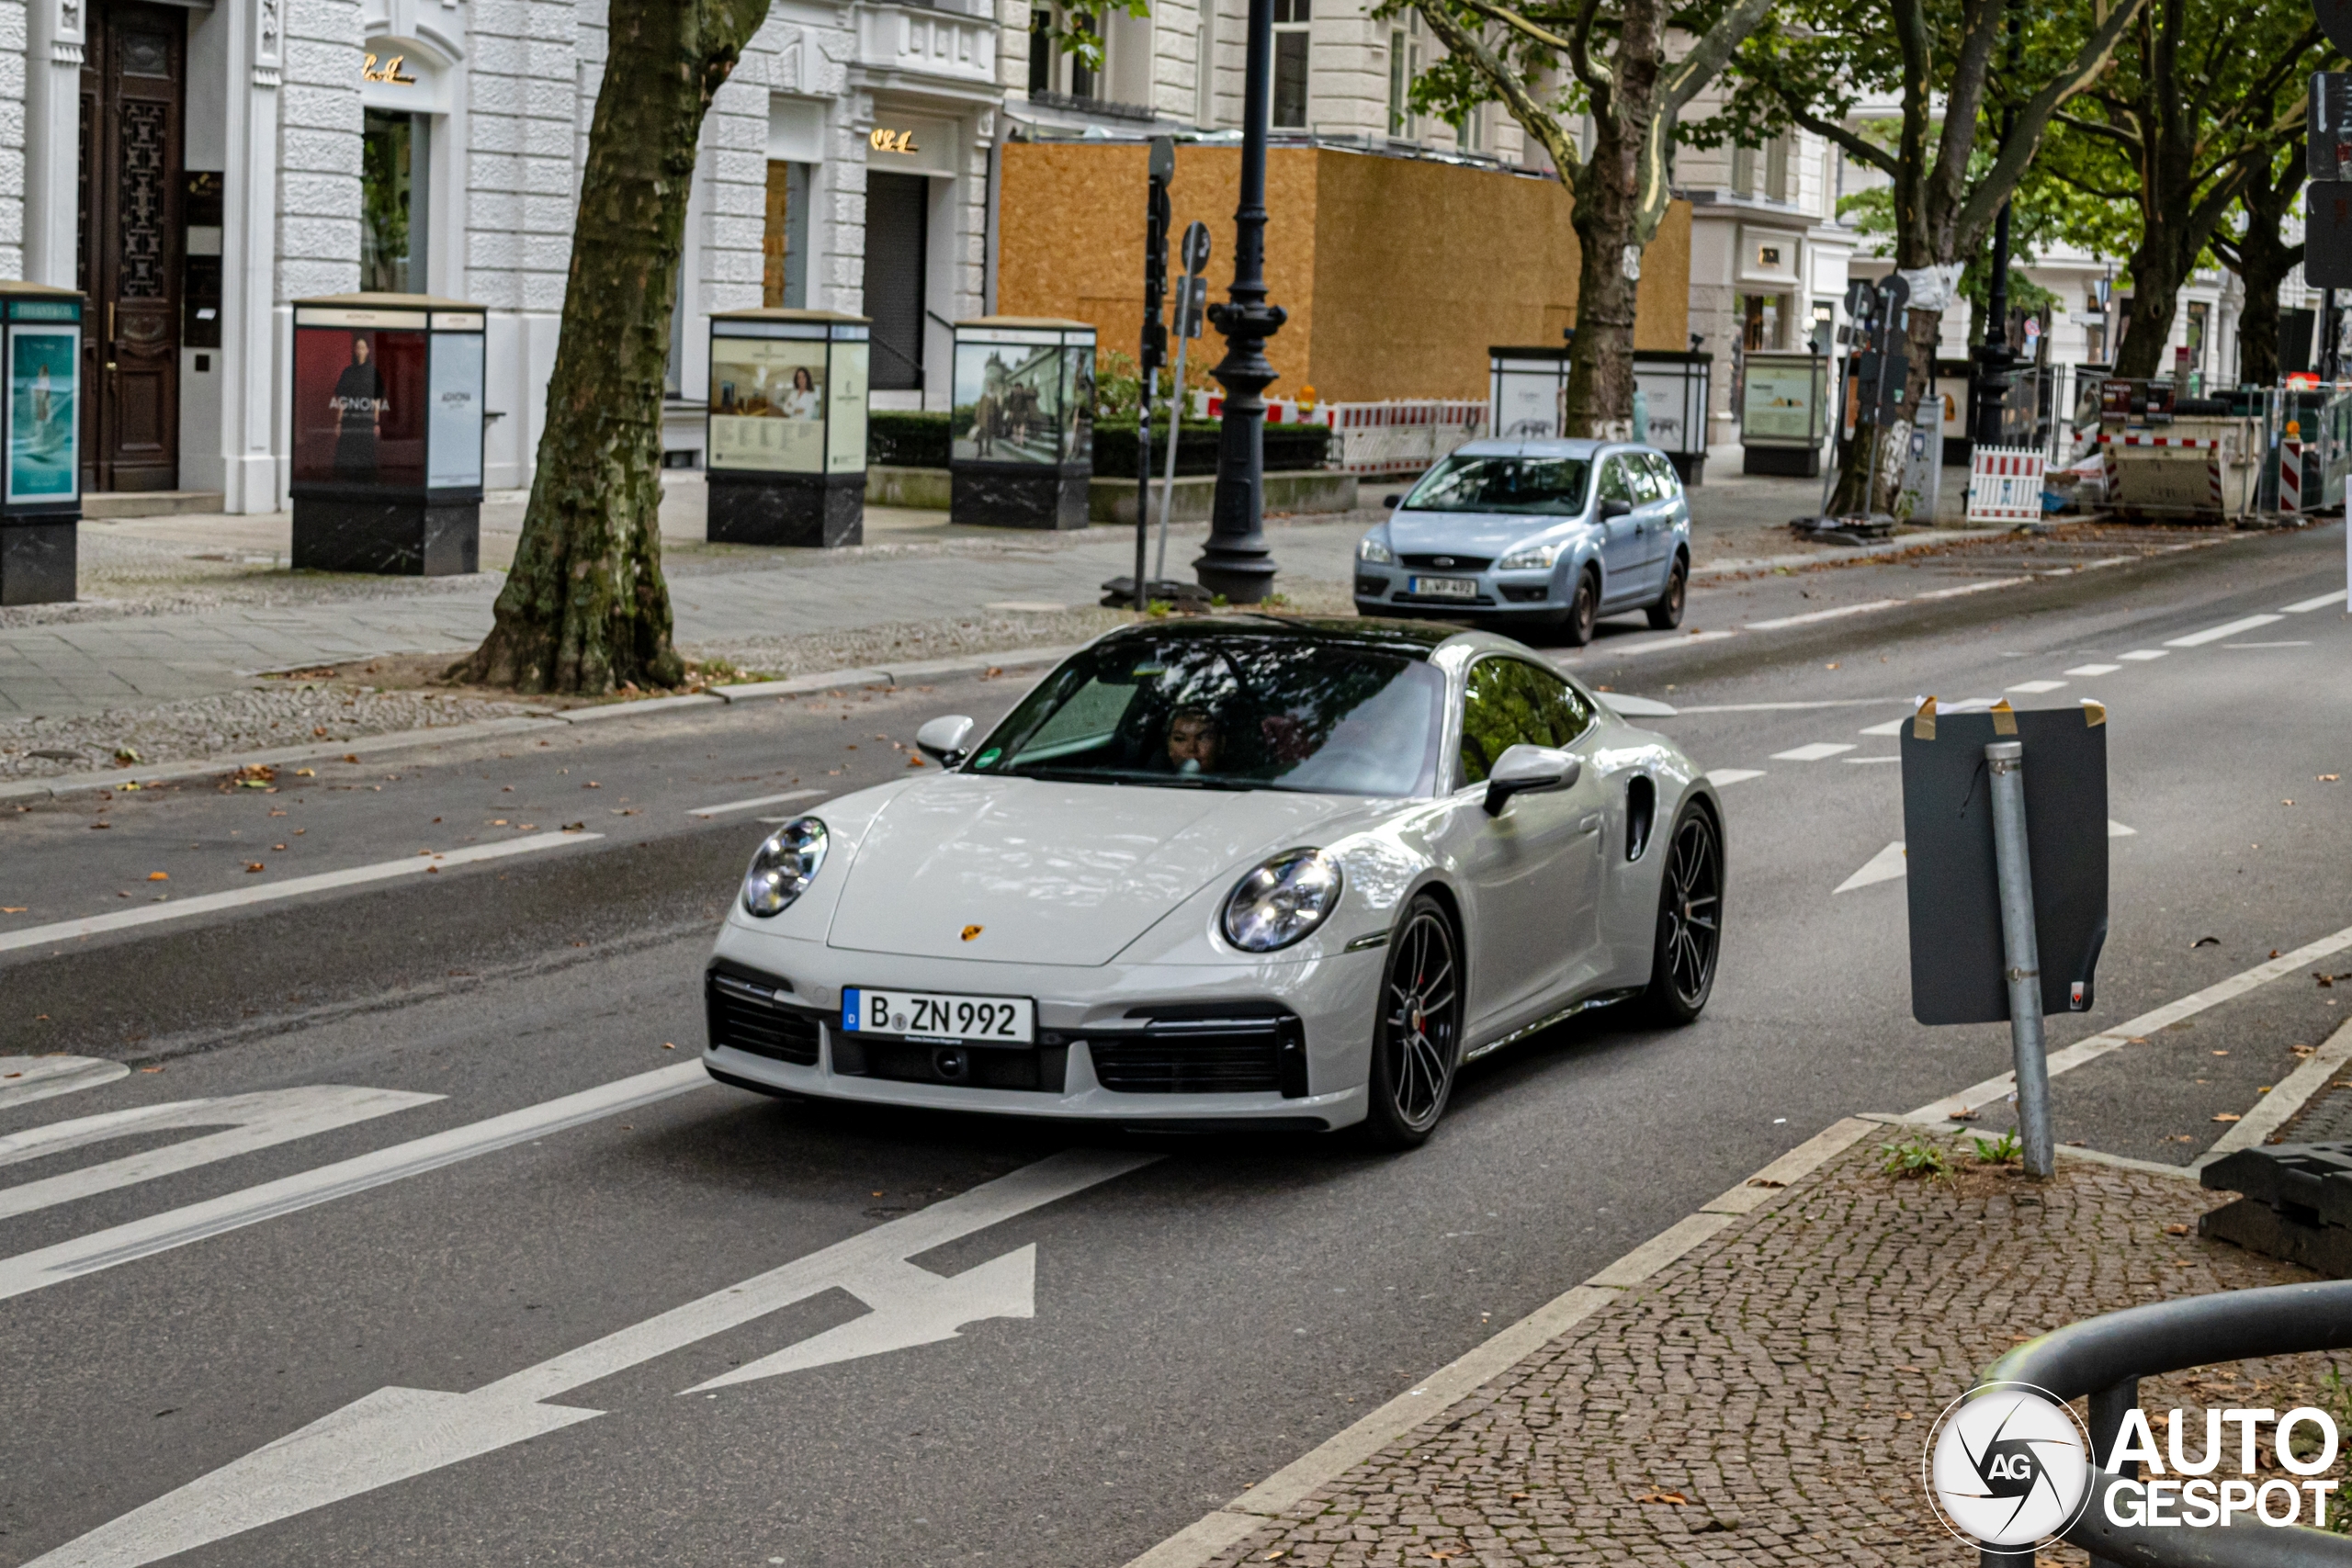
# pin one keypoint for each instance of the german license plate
(934, 1015)
(1447, 587)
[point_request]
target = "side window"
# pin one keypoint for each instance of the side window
(1647, 488)
(1512, 702)
(1616, 484)
(1670, 485)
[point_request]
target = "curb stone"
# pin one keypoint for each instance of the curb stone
(1203, 1540)
(370, 745)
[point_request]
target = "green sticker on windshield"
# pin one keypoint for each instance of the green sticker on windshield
(990, 755)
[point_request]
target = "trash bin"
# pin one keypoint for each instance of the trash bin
(1022, 428)
(387, 427)
(785, 445)
(41, 503)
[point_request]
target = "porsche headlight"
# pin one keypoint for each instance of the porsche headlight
(1529, 557)
(1375, 552)
(785, 867)
(1281, 901)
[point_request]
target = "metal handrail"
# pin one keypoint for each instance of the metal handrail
(2105, 1357)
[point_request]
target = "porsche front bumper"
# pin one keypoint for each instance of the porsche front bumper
(1271, 1045)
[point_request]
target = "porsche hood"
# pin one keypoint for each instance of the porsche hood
(1031, 870)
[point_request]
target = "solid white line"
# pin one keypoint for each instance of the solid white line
(1892, 727)
(748, 804)
(2094, 668)
(2281, 1103)
(2215, 634)
(2265, 645)
(177, 1227)
(269, 892)
(1976, 587)
(1823, 615)
(2146, 1024)
(24, 1079)
(258, 1121)
(2321, 603)
(1814, 753)
(1214, 1532)
(1635, 645)
(1719, 777)
(395, 1434)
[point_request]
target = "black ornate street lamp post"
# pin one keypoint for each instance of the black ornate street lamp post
(1236, 562)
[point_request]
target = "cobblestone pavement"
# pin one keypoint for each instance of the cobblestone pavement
(1765, 1399)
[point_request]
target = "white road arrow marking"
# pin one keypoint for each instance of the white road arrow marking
(24, 1079)
(2117, 830)
(396, 1433)
(177, 1227)
(911, 1306)
(254, 1122)
(1884, 866)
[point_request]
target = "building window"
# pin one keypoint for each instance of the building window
(1291, 18)
(392, 203)
(784, 242)
(2198, 314)
(1041, 49)
(1082, 76)
(1400, 82)
(1760, 326)
(1776, 168)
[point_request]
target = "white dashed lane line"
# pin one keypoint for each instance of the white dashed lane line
(2321, 603)
(2215, 634)
(1720, 777)
(2037, 687)
(2142, 655)
(1815, 752)
(2087, 670)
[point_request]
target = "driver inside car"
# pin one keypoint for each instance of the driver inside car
(1194, 740)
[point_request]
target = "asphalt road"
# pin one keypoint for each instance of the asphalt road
(1203, 1310)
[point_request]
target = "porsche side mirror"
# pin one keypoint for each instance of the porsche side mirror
(1392, 502)
(1614, 508)
(942, 738)
(1530, 770)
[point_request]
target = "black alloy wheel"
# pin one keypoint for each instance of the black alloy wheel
(1584, 609)
(1667, 614)
(1418, 1042)
(1690, 920)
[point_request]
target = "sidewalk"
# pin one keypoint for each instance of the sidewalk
(1760, 1392)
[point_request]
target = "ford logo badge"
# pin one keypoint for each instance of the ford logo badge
(1441, 561)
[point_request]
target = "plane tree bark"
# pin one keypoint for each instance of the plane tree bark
(1953, 66)
(1548, 63)
(585, 609)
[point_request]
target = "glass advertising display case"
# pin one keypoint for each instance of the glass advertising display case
(784, 446)
(1783, 414)
(1530, 389)
(387, 429)
(40, 341)
(1021, 429)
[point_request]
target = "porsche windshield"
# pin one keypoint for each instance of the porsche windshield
(1229, 712)
(1539, 487)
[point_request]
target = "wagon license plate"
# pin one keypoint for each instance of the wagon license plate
(1447, 587)
(934, 1015)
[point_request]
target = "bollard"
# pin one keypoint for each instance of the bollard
(2004, 761)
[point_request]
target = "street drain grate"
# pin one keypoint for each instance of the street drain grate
(2327, 1119)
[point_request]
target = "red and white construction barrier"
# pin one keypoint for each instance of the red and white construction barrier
(2290, 476)
(2005, 484)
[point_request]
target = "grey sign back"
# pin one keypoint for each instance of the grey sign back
(1958, 972)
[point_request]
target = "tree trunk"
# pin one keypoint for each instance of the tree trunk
(2262, 261)
(585, 609)
(2156, 285)
(1600, 360)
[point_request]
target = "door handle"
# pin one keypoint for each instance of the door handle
(1591, 823)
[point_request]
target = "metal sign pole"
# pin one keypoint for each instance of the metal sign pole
(1191, 302)
(2004, 761)
(1161, 168)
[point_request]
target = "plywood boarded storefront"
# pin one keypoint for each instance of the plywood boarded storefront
(1398, 273)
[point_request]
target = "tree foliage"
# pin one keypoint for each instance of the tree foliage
(1551, 63)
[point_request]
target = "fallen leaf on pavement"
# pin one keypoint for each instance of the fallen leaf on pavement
(2176, 1230)
(2229, 1116)
(2205, 941)
(591, 783)
(2327, 778)
(2221, 1053)
(913, 760)
(351, 756)
(96, 826)
(575, 826)
(165, 875)
(151, 1069)
(252, 865)
(14, 908)
(273, 846)
(1764, 1181)
(525, 826)
(1965, 1113)
(669, 1044)
(1677, 1499)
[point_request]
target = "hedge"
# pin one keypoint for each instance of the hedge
(898, 438)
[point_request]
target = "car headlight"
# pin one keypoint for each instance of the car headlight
(1372, 550)
(1528, 556)
(785, 867)
(1281, 901)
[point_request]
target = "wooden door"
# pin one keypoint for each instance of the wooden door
(134, 77)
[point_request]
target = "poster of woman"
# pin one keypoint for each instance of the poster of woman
(767, 405)
(357, 405)
(43, 446)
